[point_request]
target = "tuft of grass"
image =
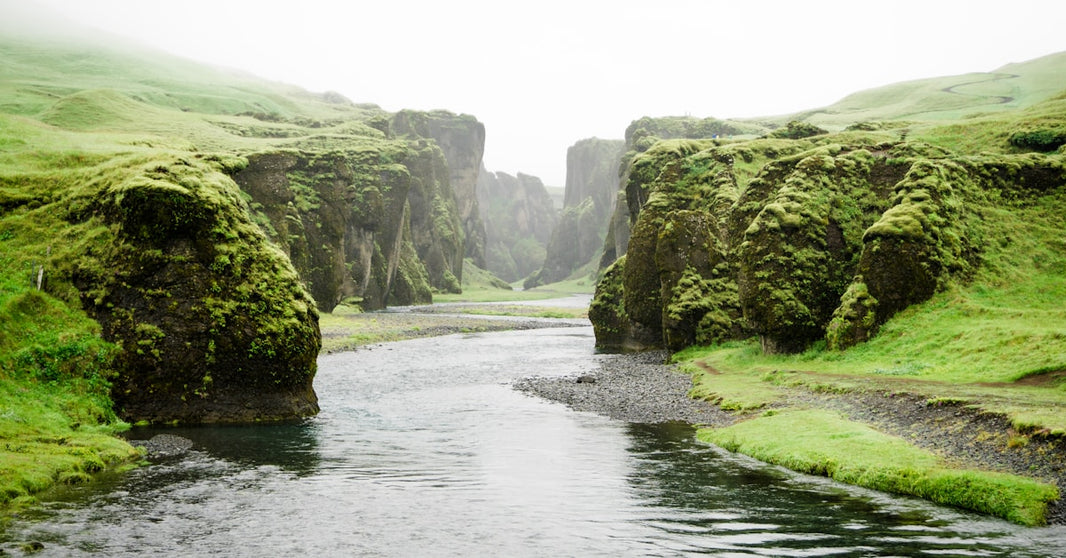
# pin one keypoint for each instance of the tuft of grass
(56, 420)
(824, 443)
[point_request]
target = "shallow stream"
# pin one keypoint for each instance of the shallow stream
(423, 449)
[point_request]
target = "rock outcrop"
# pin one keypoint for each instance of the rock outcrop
(519, 219)
(462, 140)
(591, 186)
(640, 135)
(377, 221)
(211, 321)
(797, 241)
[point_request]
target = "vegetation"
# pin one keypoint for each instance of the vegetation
(942, 99)
(824, 443)
(885, 245)
(160, 296)
(56, 419)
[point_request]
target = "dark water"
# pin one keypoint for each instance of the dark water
(423, 449)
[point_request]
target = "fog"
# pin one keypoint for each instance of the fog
(542, 75)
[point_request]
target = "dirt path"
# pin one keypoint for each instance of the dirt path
(994, 99)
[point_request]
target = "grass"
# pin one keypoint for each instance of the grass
(347, 331)
(824, 443)
(56, 421)
(945, 98)
(989, 345)
(482, 294)
(740, 391)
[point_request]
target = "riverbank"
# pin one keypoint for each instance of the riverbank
(968, 455)
(347, 331)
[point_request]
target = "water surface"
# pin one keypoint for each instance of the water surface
(423, 449)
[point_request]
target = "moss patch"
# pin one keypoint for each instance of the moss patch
(823, 443)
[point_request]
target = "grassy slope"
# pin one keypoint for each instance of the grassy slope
(946, 98)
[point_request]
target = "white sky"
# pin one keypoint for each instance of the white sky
(543, 74)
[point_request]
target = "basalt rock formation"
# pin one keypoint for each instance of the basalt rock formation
(591, 186)
(462, 140)
(796, 241)
(519, 219)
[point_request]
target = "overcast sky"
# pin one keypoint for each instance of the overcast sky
(544, 74)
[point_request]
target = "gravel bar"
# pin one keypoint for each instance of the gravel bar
(631, 387)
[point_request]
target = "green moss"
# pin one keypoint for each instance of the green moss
(797, 130)
(823, 443)
(607, 309)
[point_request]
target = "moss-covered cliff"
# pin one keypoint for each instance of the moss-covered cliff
(800, 240)
(210, 321)
(461, 139)
(640, 136)
(198, 218)
(373, 218)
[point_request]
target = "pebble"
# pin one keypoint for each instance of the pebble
(631, 387)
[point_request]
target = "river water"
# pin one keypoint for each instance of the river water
(423, 449)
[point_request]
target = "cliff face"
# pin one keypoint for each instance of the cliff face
(340, 216)
(798, 240)
(640, 135)
(591, 187)
(519, 219)
(376, 221)
(211, 321)
(462, 140)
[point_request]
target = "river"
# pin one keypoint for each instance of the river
(422, 448)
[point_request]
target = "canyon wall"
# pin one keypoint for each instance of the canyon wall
(796, 241)
(519, 219)
(591, 187)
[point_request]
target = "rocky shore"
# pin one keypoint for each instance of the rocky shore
(634, 388)
(639, 388)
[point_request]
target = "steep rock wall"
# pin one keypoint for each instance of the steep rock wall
(462, 140)
(591, 186)
(797, 240)
(374, 222)
(640, 136)
(519, 219)
(341, 217)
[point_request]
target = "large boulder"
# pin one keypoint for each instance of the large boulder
(212, 321)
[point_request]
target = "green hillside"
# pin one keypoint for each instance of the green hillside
(1014, 86)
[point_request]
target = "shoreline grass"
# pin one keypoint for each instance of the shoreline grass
(998, 351)
(824, 443)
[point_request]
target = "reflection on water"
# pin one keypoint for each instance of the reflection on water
(422, 449)
(291, 446)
